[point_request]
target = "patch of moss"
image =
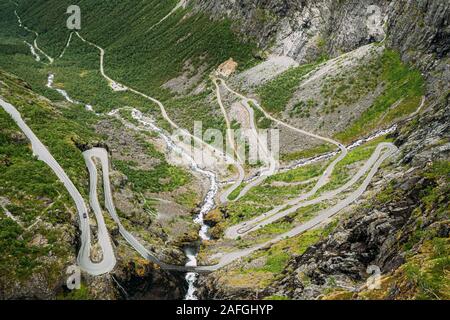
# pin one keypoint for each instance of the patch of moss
(77, 294)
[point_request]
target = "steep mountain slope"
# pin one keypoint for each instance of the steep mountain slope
(145, 61)
(316, 66)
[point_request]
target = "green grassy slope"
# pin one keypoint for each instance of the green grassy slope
(42, 240)
(136, 55)
(403, 86)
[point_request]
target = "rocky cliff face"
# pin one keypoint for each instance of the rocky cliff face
(304, 29)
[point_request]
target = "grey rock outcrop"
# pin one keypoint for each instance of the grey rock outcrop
(306, 29)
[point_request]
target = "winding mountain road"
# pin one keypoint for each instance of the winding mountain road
(268, 158)
(370, 168)
(102, 155)
(108, 262)
(179, 5)
(115, 84)
(263, 150)
(293, 205)
(320, 218)
(329, 170)
(84, 254)
(231, 142)
(383, 151)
